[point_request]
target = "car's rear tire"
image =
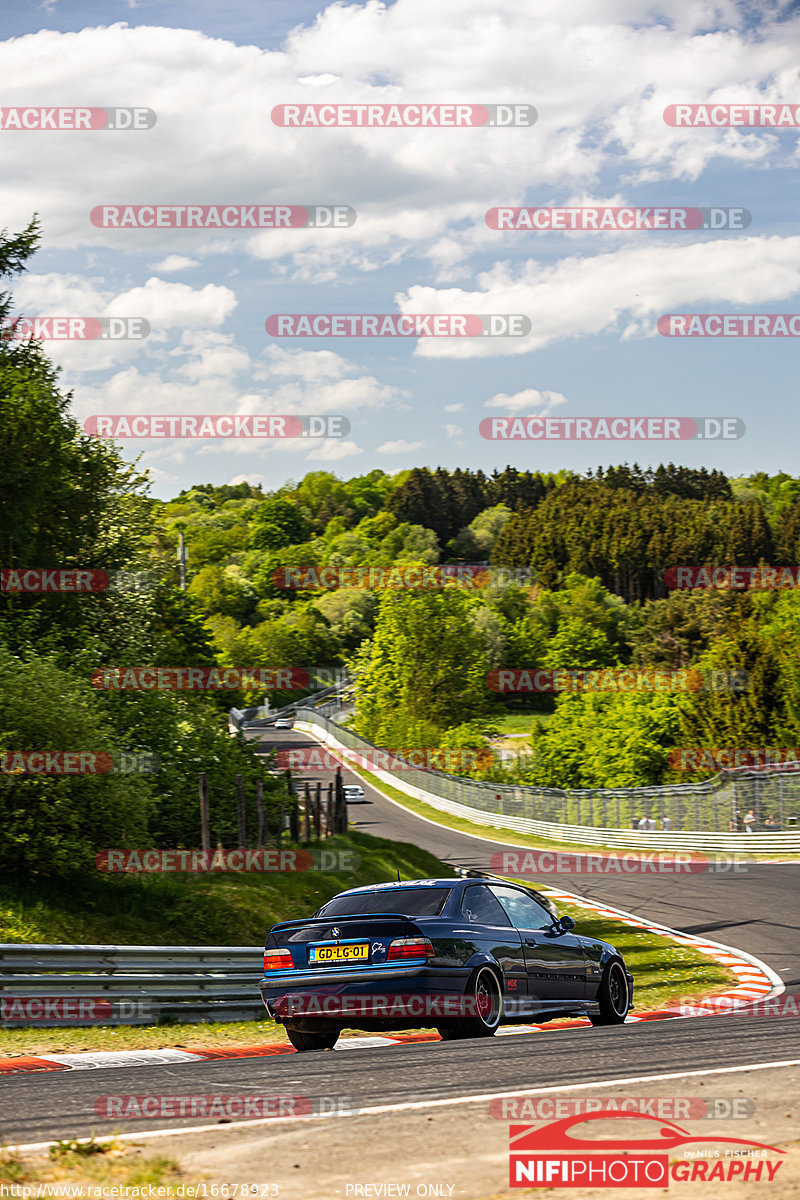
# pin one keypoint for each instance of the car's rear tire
(312, 1041)
(613, 996)
(484, 990)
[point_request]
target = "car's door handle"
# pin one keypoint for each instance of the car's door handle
(531, 942)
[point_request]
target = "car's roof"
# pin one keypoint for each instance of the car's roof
(431, 883)
(403, 883)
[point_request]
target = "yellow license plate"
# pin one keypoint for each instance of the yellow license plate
(332, 954)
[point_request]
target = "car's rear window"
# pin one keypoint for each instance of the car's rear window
(412, 902)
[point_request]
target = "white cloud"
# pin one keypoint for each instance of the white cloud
(411, 188)
(214, 355)
(313, 366)
(453, 407)
(253, 477)
(176, 262)
(623, 292)
(333, 449)
(526, 401)
(167, 305)
(400, 446)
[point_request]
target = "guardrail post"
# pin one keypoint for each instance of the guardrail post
(205, 828)
(780, 801)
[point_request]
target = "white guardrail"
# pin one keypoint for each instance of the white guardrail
(56, 985)
(727, 843)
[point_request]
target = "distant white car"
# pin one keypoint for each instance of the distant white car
(353, 791)
(283, 724)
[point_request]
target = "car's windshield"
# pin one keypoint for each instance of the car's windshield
(412, 902)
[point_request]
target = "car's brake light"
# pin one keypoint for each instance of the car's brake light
(278, 960)
(412, 947)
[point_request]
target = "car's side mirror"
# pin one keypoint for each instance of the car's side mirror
(564, 924)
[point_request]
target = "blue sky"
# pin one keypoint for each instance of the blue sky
(599, 73)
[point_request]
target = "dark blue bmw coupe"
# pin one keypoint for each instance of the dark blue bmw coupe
(461, 955)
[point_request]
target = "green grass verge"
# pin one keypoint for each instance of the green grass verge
(198, 910)
(96, 1164)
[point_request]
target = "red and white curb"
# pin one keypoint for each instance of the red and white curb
(757, 981)
(93, 1060)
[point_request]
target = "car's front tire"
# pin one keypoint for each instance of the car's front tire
(613, 996)
(312, 1041)
(483, 992)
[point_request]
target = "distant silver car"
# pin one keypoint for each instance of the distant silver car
(353, 791)
(283, 723)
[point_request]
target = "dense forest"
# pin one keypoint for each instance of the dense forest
(598, 546)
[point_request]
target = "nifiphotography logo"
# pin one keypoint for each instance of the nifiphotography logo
(551, 1156)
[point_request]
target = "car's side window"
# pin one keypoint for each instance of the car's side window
(524, 911)
(481, 907)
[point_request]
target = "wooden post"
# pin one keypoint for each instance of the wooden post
(308, 813)
(240, 816)
(260, 810)
(330, 813)
(317, 815)
(205, 828)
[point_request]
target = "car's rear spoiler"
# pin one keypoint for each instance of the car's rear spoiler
(337, 920)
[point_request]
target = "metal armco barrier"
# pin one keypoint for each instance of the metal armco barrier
(142, 984)
(700, 813)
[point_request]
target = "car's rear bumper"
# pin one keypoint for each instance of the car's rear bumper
(385, 994)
